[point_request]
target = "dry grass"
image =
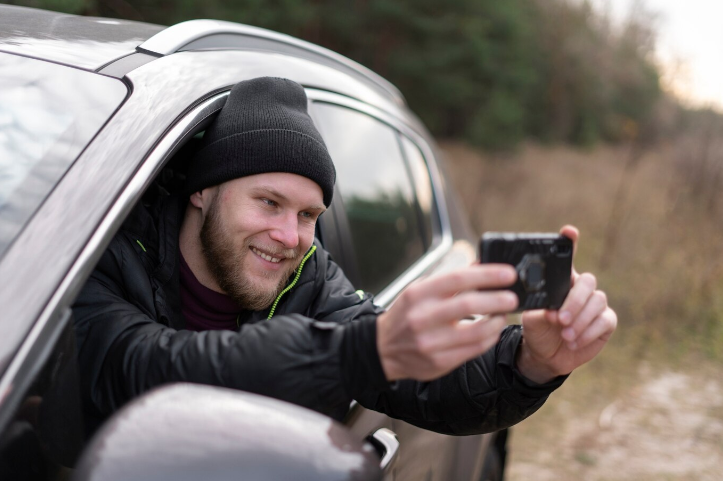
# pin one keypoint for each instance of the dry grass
(657, 256)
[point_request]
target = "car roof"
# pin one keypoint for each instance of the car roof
(94, 43)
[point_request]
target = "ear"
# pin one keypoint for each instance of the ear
(198, 199)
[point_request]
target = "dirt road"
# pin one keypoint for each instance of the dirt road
(666, 426)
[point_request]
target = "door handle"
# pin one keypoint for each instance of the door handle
(387, 445)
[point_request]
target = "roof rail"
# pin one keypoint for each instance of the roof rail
(218, 34)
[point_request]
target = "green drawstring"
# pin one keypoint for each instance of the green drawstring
(288, 288)
(139, 243)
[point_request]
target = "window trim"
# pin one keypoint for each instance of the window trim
(441, 244)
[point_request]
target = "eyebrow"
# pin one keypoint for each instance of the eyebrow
(276, 193)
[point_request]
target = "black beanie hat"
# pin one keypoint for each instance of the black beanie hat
(263, 127)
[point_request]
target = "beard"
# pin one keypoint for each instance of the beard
(226, 264)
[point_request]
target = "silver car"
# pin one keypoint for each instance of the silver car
(91, 111)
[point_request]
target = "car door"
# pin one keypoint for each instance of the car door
(390, 232)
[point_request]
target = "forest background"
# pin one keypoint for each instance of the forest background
(493, 73)
(551, 113)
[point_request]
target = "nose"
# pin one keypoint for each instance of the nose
(286, 231)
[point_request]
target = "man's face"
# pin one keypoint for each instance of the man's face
(256, 231)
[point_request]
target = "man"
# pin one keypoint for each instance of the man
(226, 285)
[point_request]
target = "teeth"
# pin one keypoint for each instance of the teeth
(265, 256)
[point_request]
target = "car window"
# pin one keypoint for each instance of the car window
(48, 113)
(377, 194)
(429, 216)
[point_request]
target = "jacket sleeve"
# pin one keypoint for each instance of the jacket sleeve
(123, 352)
(483, 395)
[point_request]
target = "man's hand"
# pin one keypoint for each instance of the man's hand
(556, 342)
(421, 336)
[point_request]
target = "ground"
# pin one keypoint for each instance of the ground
(666, 425)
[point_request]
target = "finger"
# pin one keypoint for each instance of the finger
(461, 335)
(576, 299)
(572, 233)
(535, 316)
(574, 276)
(600, 329)
(553, 317)
(438, 312)
(596, 305)
(476, 277)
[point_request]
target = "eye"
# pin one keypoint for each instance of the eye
(307, 215)
(269, 202)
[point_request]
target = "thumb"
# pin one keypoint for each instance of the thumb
(534, 319)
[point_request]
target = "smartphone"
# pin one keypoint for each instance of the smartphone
(543, 263)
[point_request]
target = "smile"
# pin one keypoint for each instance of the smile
(265, 257)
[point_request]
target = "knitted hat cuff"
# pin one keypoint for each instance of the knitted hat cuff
(262, 151)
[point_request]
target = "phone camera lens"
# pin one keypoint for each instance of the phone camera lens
(534, 275)
(532, 272)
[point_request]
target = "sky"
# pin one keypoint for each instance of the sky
(689, 47)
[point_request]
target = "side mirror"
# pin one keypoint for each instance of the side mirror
(189, 432)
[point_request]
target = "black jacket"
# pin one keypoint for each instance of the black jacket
(318, 350)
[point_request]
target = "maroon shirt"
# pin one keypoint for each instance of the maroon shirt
(205, 309)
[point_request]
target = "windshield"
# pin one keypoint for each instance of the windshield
(48, 114)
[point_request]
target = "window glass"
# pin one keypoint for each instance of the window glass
(377, 194)
(48, 113)
(422, 187)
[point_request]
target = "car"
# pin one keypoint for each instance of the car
(93, 111)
